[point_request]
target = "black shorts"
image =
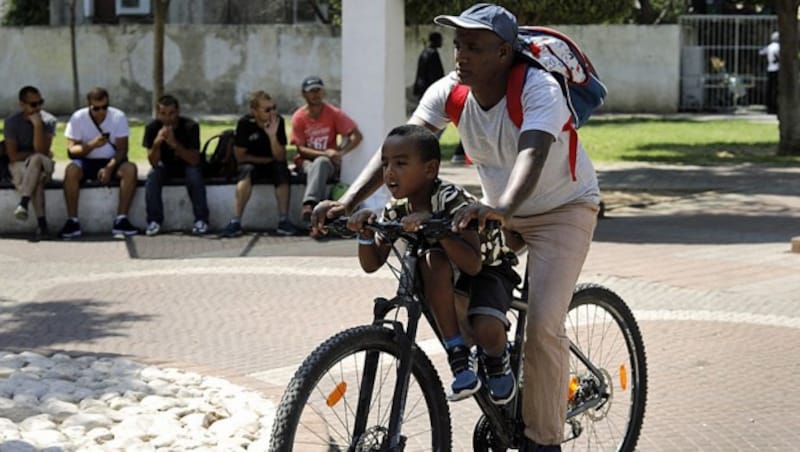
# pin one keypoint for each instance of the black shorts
(490, 291)
(276, 173)
(91, 167)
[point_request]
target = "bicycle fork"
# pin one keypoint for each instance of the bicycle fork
(405, 339)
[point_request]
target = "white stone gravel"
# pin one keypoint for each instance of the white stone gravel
(61, 404)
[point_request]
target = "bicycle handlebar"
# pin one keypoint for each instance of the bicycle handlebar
(434, 228)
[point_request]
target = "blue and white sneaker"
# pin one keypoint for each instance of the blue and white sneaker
(465, 378)
(500, 379)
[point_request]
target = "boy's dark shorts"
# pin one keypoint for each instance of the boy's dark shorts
(490, 291)
(276, 172)
(91, 167)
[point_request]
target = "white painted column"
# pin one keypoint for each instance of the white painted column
(373, 68)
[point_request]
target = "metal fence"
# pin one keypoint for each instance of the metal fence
(720, 65)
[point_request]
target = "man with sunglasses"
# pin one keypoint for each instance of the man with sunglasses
(260, 149)
(97, 145)
(315, 128)
(28, 136)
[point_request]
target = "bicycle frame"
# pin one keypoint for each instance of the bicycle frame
(506, 420)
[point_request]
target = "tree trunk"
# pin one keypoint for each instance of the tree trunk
(159, 17)
(74, 54)
(788, 92)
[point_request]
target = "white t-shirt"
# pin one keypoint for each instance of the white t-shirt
(545, 109)
(772, 51)
(81, 128)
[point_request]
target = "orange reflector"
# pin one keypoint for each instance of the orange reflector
(573, 387)
(336, 395)
(623, 377)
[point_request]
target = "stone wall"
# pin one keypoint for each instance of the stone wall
(211, 68)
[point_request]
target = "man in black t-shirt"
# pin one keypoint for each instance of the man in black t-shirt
(260, 148)
(173, 149)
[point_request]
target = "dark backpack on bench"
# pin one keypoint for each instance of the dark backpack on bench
(222, 162)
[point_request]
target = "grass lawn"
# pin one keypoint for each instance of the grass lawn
(678, 141)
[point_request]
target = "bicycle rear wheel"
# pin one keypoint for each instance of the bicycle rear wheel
(605, 331)
(318, 409)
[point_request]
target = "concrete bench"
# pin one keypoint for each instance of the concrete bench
(97, 206)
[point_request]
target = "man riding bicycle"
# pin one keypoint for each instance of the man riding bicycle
(527, 185)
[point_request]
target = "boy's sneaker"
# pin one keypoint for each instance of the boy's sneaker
(465, 379)
(233, 229)
(123, 226)
(71, 229)
(286, 227)
(21, 213)
(200, 227)
(500, 379)
(153, 228)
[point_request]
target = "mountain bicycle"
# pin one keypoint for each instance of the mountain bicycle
(373, 388)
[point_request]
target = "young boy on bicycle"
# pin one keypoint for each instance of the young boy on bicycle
(478, 263)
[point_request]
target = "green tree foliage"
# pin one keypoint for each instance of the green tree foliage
(27, 12)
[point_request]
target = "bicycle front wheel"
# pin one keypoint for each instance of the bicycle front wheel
(318, 409)
(608, 402)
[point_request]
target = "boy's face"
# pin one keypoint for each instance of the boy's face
(404, 172)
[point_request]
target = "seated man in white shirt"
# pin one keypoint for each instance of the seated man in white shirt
(97, 143)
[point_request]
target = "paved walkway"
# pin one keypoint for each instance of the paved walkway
(702, 257)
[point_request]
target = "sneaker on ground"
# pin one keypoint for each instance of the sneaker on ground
(21, 213)
(200, 227)
(41, 234)
(286, 227)
(71, 229)
(500, 379)
(153, 228)
(233, 229)
(465, 379)
(123, 227)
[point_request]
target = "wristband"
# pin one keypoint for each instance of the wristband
(365, 241)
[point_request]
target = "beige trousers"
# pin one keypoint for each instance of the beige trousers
(557, 243)
(29, 177)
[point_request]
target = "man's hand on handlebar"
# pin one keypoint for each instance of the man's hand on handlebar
(322, 213)
(480, 212)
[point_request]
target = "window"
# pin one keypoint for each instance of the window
(133, 7)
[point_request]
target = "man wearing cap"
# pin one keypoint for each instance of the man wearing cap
(315, 128)
(526, 182)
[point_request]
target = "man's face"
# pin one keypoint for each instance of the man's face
(168, 115)
(32, 103)
(314, 96)
(98, 108)
(264, 111)
(480, 55)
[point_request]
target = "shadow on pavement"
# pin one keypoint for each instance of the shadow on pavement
(44, 324)
(184, 246)
(697, 229)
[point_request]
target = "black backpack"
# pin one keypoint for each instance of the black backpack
(4, 173)
(222, 162)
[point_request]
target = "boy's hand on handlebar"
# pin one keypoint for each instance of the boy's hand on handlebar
(414, 221)
(357, 220)
(480, 212)
(322, 213)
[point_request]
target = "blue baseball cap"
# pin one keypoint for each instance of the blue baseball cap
(484, 16)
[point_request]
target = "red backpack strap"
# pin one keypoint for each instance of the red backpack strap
(573, 147)
(516, 80)
(455, 102)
